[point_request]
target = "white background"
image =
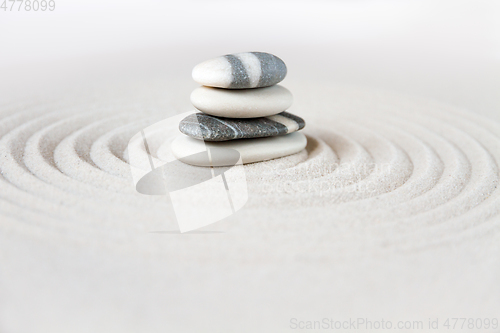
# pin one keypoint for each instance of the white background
(443, 50)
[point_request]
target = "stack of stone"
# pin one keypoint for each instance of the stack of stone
(242, 108)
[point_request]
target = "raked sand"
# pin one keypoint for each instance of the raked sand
(391, 212)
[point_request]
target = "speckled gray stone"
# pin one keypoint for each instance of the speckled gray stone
(241, 71)
(209, 128)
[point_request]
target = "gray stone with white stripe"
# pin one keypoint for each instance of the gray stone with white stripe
(209, 128)
(241, 71)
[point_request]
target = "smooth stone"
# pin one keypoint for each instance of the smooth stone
(209, 128)
(241, 71)
(247, 103)
(188, 150)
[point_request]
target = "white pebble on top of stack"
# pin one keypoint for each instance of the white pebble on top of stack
(243, 109)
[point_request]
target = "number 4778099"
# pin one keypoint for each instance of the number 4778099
(29, 5)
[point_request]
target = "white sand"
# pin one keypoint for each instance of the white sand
(392, 212)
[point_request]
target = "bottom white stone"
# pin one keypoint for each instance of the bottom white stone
(191, 151)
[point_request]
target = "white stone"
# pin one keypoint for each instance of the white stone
(247, 103)
(213, 72)
(188, 150)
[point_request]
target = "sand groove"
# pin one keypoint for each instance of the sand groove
(390, 170)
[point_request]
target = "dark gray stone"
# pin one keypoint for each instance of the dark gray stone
(239, 73)
(272, 71)
(209, 128)
(272, 68)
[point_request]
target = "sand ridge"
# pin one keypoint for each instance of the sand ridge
(385, 184)
(417, 170)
